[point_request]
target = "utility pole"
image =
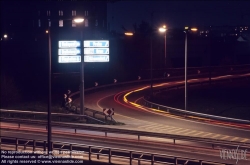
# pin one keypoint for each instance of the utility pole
(151, 56)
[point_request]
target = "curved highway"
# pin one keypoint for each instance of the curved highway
(140, 118)
(148, 120)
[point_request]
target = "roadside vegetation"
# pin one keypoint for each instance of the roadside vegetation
(226, 99)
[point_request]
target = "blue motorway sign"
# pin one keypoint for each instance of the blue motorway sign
(96, 50)
(70, 51)
(69, 59)
(69, 44)
(96, 58)
(96, 43)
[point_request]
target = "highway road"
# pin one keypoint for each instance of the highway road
(65, 135)
(137, 118)
(148, 120)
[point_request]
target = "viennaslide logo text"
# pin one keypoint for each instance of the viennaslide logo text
(234, 154)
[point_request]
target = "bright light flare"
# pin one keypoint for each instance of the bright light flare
(128, 33)
(78, 20)
(162, 29)
(47, 31)
(5, 36)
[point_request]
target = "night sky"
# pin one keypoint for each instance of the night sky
(178, 13)
(27, 53)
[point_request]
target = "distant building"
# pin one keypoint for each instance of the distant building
(26, 22)
(223, 31)
(19, 18)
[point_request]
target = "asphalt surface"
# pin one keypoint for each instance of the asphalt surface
(145, 119)
(135, 118)
(81, 139)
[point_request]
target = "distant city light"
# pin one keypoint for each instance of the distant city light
(5, 36)
(47, 31)
(192, 29)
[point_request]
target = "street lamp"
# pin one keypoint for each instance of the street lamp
(49, 99)
(80, 20)
(164, 29)
(186, 31)
(77, 20)
(128, 33)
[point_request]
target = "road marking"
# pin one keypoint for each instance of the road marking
(169, 128)
(184, 130)
(244, 140)
(162, 129)
(224, 137)
(163, 115)
(187, 133)
(158, 127)
(206, 134)
(198, 133)
(148, 110)
(138, 99)
(152, 128)
(176, 130)
(233, 139)
(216, 135)
(148, 126)
(102, 99)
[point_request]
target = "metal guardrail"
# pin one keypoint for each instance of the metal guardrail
(193, 72)
(59, 115)
(113, 130)
(130, 132)
(185, 113)
(137, 133)
(71, 149)
(177, 74)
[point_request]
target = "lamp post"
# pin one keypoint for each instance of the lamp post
(77, 20)
(49, 99)
(80, 20)
(186, 31)
(164, 29)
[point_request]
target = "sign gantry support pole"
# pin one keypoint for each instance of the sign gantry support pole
(82, 76)
(49, 99)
